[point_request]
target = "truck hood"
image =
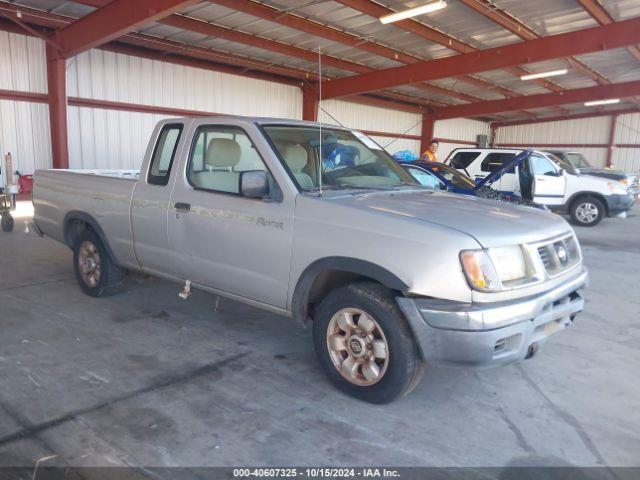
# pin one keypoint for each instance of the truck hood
(490, 222)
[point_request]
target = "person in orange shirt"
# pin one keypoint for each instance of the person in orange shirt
(429, 154)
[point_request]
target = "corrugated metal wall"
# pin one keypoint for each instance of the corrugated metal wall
(107, 139)
(24, 127)
(584, 131)
(627, 131)
(366, 117)
(100, 138)
(458, 129)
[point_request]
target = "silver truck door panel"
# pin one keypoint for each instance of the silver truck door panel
(221, 239)
(151, 199)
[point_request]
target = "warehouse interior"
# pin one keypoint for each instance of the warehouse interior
(145, 380)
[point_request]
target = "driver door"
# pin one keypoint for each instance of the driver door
(549, 182)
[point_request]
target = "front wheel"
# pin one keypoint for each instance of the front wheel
(587, 211)
(365, 345)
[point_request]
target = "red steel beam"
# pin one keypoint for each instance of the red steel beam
(426, 131)
(374, 9)
(578, 95)
(57, 93)
(181, 54)
(488, 9)
(314, 28)
(599, 13)
(112, 21)
(172, 52)
(377, 10)
(159, 49)
(310, 102)
(588, 40)
(205, 28)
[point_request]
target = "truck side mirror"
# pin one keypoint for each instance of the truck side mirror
(254, 184)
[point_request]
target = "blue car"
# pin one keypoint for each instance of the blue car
(444, 177)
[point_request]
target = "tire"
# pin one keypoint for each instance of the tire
(401, 367)
(587, 211)
(7, 222)
(95, 270)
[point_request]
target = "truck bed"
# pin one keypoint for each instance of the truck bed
(104, 195)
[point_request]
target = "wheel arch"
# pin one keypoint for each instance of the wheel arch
(585, 194)
(328, 273)
(76, 221)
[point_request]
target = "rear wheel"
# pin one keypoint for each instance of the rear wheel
(96, 272)
(587, 211)
(365, 345)
(7, 222)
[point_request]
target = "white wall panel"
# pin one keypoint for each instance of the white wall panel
(367, 117)
(122, 78)
(627, 131)
(22, 63)
(627, 159)
(108, 138)
(393, 145)
(579, 131)
(24, 131)
(460, 129)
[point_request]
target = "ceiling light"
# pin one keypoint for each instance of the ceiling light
(552, 73)
(602, 102)
(412, 12)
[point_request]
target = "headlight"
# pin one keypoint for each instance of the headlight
(624, 182)
(488, 270)
(617, 188)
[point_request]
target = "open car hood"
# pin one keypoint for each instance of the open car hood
(492, 177)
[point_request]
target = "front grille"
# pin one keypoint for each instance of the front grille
(559, 255)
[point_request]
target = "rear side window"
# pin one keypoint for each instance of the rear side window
(163, 154)
(462, 160)
(495, 161)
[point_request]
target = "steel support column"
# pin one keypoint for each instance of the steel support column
(426, 131)
(310, 102)
(612, 139)
(57, 88)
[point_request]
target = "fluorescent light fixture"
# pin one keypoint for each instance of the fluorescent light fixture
(412, 12)
(610, 101)
(552, 73)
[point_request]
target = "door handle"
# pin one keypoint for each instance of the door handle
(182, 207)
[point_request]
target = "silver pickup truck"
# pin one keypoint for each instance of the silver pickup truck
(318, 223)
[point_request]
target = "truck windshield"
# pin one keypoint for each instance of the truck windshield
(577, 160)
(339, 159)
(562, 163)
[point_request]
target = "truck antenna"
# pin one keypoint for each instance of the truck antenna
(320, 130)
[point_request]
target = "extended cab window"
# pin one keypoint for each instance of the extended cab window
(163, 154)
(462, 160)
(495, 161)
(219, 155)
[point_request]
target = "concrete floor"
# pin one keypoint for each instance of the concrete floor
(145, 378)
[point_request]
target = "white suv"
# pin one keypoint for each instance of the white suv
(548, 180)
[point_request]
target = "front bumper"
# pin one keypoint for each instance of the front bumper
(617, 204)
(485, 335)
